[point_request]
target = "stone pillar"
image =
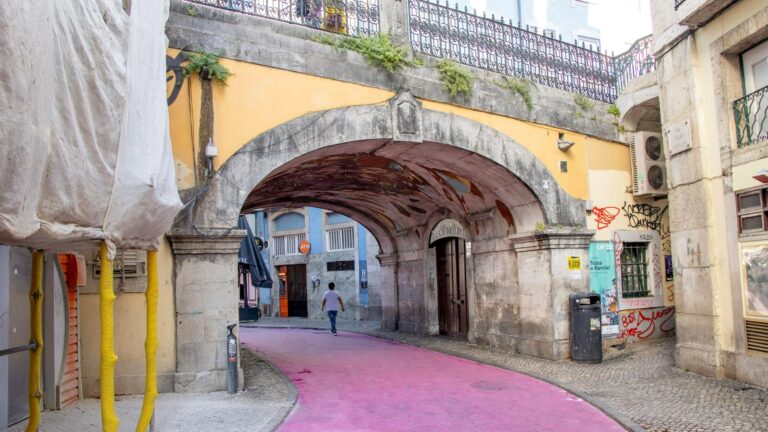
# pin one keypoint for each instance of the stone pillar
(389, 297)
(545, 284)
(394, 20)
(206, 294)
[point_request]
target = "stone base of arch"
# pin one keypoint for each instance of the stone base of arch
(206, 299)
(529, 273)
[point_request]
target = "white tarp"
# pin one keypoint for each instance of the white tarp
(84, 144)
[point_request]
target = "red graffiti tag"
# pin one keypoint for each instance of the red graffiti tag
(644, 324)
(604, 216)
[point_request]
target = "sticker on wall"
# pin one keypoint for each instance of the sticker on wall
(574, 263)
(305, 247)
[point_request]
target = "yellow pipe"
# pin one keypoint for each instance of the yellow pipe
(150, 346)
(109, 421)
(35, 356)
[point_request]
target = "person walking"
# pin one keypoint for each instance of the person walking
(333, 300)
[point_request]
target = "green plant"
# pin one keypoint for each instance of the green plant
(584, 102)
(380, 51)
(456, 79)
(521, 87)
(616, 113)
(540, 227)
(325, 39)
(207, 66)
(191, 11)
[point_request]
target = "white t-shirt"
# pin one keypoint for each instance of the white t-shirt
(331, 300)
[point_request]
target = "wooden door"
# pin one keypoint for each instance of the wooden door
(297, 290)
(70, 385)
(452, 287)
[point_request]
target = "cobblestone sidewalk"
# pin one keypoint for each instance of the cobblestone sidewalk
(640, 383)
(268, 399)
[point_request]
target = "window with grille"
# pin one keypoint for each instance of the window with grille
(752, 211)
(634, 270)
(288, 244)
(340, 238)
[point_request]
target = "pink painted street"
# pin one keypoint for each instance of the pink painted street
(354, 382)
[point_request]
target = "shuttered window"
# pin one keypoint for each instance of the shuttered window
(288, 244)
(340, 238)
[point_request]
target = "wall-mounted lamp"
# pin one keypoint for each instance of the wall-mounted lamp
(562, 144)
(211, 151)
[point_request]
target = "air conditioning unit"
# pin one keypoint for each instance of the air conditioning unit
(649, 168)
(127, 263)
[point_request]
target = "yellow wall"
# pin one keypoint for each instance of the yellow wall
(255, 99)
(259, 98)
(130, 333)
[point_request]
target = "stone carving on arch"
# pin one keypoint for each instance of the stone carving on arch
(546, 202)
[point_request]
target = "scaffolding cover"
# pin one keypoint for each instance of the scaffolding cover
(84, 143)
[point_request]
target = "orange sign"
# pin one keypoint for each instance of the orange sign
(304, 247)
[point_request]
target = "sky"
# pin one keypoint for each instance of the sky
(621, 22)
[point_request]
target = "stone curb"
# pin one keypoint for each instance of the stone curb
(277, 420)
(621, 419)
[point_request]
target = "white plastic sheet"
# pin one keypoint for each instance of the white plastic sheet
(85, 151)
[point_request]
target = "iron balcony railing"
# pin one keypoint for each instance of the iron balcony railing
(678, 3)
(486, 43)
(751, 115)
(350, 17)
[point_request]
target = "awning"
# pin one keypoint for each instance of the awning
(251, 257)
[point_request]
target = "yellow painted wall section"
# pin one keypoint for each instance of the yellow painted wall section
(130, 333)
(538, 139)
(255, 99)
(258, 98)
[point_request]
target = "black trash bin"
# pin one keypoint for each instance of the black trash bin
(586, 334)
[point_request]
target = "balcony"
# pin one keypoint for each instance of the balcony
(349, 17)
(751, 115)
(478, 41)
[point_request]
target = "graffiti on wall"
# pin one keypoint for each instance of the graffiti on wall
(604, 216)
(644, 324)
(646, 216)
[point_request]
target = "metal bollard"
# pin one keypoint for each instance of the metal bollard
(231, 361)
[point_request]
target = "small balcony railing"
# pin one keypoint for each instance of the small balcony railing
(350, 17)
(751, 115)
(678, 3)
(486, 43)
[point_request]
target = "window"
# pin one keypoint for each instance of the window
(752, 110)
(549, 33)
(588, 42)
(288, 244)
(755, 68)
(340, 238)
(752, 211)
(634, 270)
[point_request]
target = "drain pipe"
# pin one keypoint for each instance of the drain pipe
(519, 14)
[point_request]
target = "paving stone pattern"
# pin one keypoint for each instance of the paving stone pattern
(639, 383)
(268, 399)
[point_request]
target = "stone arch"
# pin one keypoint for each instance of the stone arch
(540, 199)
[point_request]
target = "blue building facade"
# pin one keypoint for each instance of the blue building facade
(306, 249)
